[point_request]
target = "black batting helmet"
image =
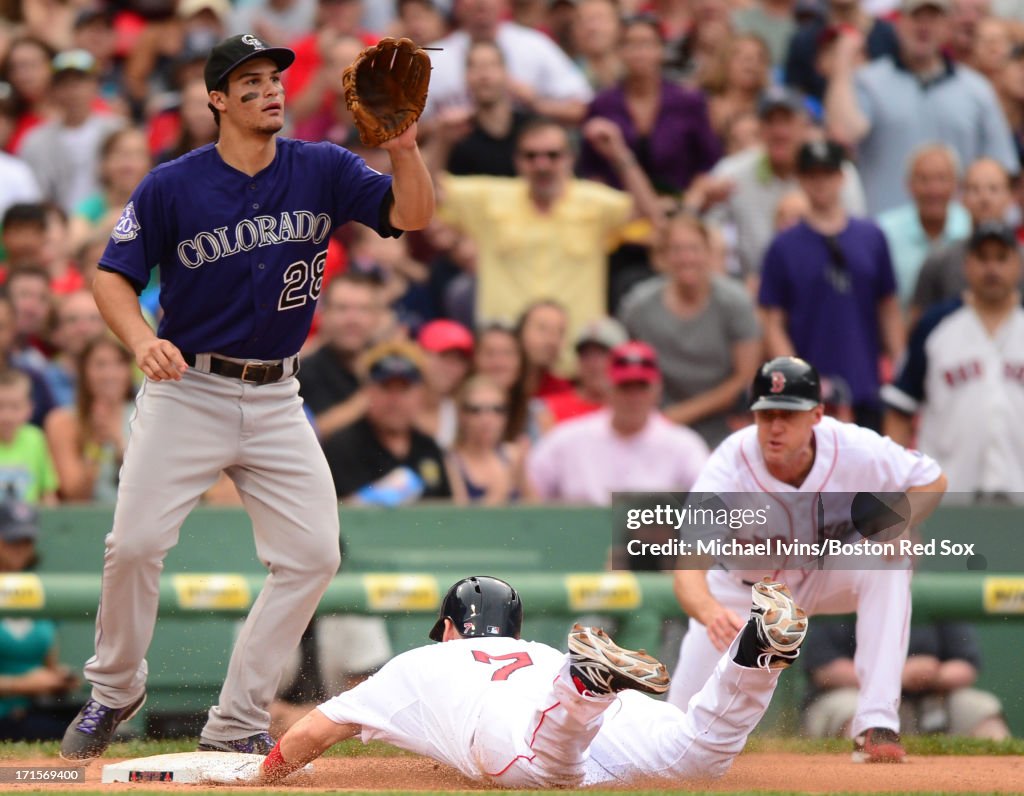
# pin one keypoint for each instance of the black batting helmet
(481, 606)
(786, 383)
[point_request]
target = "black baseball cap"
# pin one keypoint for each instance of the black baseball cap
(398, 360)
(780, 98)
(394, 367)
(992, 230)
(822, 155)
(19, 522)
(786, 383)
(235, 51)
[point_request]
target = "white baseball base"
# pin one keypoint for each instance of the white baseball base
(230, 768)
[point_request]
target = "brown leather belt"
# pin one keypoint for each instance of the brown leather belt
(250, 372)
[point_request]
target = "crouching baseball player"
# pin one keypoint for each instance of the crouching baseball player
(522, 714)
(792, 449)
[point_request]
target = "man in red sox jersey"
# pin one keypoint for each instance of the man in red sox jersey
(793, 448)
(964, 374)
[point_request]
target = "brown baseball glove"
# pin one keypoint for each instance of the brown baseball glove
(386, 89)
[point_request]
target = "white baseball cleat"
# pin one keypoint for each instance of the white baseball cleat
(776, 628)
(600, 666)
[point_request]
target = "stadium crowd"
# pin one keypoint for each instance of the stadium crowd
(639, 202)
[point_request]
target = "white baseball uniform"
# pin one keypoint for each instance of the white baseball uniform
(506, 711)
(969, 388)
(848, 459)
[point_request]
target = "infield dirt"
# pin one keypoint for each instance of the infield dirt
(812, 773)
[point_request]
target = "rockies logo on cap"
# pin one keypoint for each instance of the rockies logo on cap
(235, 51)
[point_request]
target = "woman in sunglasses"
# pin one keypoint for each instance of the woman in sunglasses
(482, 468)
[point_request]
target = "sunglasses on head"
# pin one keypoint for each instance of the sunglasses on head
(634, 359)
(536, 154)
(837, 272)
(479, 409)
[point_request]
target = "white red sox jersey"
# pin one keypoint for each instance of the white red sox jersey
(848, 459)
(968, 386)
(506, 710)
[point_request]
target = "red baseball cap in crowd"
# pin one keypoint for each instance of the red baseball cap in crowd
(444, 335)
(634, 361)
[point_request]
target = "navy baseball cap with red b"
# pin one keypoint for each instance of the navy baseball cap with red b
(235, 51)
(787, 383)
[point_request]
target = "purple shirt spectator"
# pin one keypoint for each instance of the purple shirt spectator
(680, 146)
(837, 331)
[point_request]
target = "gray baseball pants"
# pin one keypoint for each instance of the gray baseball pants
(183, 434)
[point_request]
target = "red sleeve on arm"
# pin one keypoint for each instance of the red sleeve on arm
(275, 767)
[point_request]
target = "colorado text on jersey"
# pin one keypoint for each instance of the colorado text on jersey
(298, 226)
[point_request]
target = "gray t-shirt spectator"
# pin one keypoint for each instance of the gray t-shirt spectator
(695, 353)
(65, 160)
(942, 276)
(750, 207)
(958, 108)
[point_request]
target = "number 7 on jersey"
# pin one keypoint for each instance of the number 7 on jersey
(519, 661)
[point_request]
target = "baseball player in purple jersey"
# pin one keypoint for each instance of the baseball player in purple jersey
(239, 230)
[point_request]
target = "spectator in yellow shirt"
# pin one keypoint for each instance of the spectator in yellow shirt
(544, 234)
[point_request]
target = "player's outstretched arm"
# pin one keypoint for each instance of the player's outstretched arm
(119, 306)
(308, 738)
(411, 183)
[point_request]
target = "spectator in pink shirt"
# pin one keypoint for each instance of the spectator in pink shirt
(626, 447)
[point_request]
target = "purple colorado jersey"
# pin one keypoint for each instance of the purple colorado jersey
(242, 258)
